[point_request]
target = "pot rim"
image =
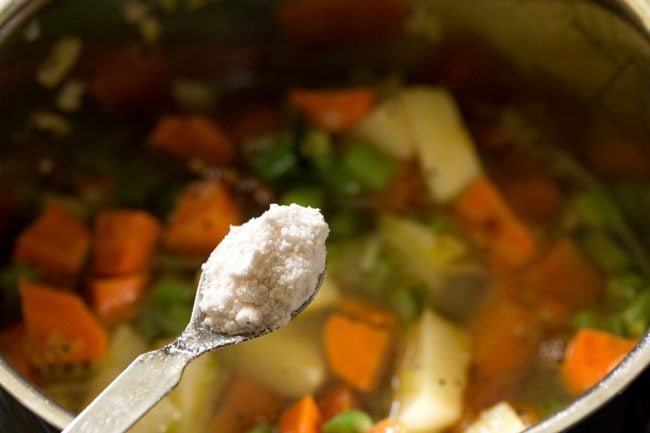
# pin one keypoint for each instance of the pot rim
(14, 12)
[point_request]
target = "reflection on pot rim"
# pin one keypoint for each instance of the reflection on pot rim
(14, 12)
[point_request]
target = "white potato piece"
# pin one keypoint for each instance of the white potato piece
(288, 360)
(500, 418)
(432, 375)
(387, 128)
(442, 143)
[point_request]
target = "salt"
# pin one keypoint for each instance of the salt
(264, 270)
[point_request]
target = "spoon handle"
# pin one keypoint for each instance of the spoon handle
(145, 382)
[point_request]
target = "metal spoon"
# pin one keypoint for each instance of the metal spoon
(154, 374)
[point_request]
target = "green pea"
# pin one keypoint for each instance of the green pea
(351, 421)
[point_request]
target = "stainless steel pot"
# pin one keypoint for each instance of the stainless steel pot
(601, 51)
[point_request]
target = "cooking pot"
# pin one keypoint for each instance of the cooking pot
(599, 52)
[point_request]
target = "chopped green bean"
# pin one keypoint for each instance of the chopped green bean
(351, 421)
(371, 168)
(169, 308)
(273, 157)
(172, 290)
(330, 171)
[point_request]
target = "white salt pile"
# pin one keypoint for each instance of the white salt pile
(264, 270)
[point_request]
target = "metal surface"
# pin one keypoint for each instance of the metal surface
(615, 69)
(31, 397)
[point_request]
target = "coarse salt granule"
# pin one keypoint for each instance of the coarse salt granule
(264, 270)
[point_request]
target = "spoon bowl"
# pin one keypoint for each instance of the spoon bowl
(154, 374)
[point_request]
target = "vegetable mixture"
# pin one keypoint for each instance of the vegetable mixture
(477, 275)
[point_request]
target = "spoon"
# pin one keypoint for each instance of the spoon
(154, 374)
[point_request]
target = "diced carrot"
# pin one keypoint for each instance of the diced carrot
(202, 218)
(388, 426)
(193, 137)
(56, 243)
(12, 345)
(309, 23)
(505, 336)
(536, 197)
(360, 309)
(494, 226)
(245, 403)
(356, 351)
(336, 400)
(130, 79)
(124, 241)
(301, 417)
(60, 328)
(590, 356)
(334, 110)
(116, 299)
(564, 275)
